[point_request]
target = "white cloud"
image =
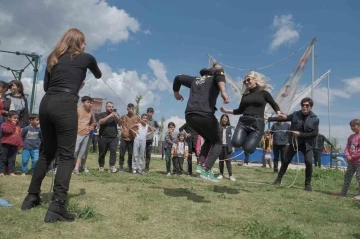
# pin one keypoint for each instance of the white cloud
(352, 85)
(147, 32)
(36, 26)
(286, 32)
(160, 81)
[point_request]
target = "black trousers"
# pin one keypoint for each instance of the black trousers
(277, 150)
(248, 133)
(317, 157)
(95, 141)
(59, 124)
(225, 155)
(208, 128)
(246, 160)
(8, 157)
(126, 146)
(106, 144)
(178, 163)
(148, 150)
(289, 156)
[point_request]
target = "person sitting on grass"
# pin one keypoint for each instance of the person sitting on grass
(179, 151)
(352, 153)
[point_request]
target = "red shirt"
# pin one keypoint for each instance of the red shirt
(11, 134)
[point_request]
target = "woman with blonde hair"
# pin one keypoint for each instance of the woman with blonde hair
(64, 77)
(251, 125)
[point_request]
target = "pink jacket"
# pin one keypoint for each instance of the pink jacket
(198, 145)
(353, 148)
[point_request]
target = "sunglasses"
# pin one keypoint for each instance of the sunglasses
(247, 80)
(305, 105)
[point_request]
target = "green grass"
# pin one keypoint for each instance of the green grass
(156, 206)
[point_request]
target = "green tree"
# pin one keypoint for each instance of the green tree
(335, 142)
(138, 98)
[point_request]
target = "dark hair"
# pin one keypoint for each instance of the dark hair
(19, 85)
(109, 102)
(130, 105)
(4, 85)
(87, 98)
(150, 110)
(12, 113)
(355, 122)
(33, 116)
(228, 123)
(143, 115)
(307, 99)
(171, 124)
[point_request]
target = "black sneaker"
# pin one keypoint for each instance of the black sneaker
(31, 201)
(58, 212)
(308, 188)
(277, 182)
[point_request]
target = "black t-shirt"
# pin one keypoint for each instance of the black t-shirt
(254, 103)
(109, 129)
(204, 90)
(70, 72)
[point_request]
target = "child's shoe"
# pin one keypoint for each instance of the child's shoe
(220, 176)
(232, 178)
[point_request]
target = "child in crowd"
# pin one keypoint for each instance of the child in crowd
(11, 141)
(179, 151)
(352, 153)
(31, 136)
(266, 143)
(170, 138)
(226, 131)
(141, 130)
(86, 123)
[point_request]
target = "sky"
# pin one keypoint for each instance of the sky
(142, 45)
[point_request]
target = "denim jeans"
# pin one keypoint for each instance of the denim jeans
(26, 154)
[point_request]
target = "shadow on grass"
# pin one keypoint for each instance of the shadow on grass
(183, 192)
(356, 236)
(225, 189)
(46, 197)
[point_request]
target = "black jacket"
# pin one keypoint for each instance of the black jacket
(307, 126)
(229, 134)
(204, 90)
(319, 142)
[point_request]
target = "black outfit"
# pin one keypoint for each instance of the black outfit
(226, 150)
(319, 147)
(251, 125)
(200, 110)
(8, 157)
(149, 141)
(108, 139)
(246, 159)
(95, 139)
(308, 126)
(126, 145)
(191, 141)
(58, 117)
(280, 142)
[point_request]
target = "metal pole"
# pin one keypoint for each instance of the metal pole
(329, 117)
(313, 71)
(32, 103)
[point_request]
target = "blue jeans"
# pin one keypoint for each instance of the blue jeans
(26, 154)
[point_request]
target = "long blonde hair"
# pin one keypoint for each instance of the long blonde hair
(71, 42)
(261, 81)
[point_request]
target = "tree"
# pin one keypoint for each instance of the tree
(335, 142)
(138, 98)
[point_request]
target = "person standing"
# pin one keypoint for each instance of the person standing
(108, 136)
(191, 139)
(305, 127)
(279, 131)
(150, 138)
(319, 148)
(64, 77)
(95, 139)
(127, 136)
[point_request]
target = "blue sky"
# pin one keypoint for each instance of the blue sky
(178, 34)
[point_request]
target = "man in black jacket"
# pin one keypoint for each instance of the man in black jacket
(319, 147)
(200, 113)
(305, 126)
(280, 141)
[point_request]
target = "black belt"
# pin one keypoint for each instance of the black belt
(62, 89)
(254, 116)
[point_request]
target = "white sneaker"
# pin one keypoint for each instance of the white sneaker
(112, 169)
(134, 171)
(86, 170)
(232, 178)
(101, 169)
(168, 174)
(220, 177)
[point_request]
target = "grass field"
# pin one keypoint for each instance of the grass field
(157, 206)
